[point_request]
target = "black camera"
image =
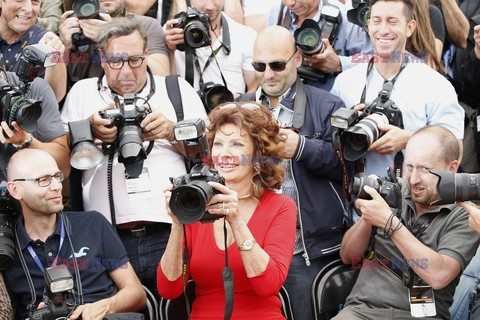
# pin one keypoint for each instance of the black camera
(191, 192)
(127, 118)
(213, 95)
(387, 187)
(195, 25)
(15, 104)
(358, 132)
(85, 9)
(360, 13)
(453, 186)
(59, 295)
(8, 212)
(308, 39)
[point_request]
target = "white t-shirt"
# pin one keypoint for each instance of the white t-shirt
(232, 65)
(140, 199)
(258, 7)
(422, 94)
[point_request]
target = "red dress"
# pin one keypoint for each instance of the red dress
(273, 226)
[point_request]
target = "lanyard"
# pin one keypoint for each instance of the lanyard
(34, 254)
(369, 70)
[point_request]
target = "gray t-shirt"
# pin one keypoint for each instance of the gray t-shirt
(448, 234)
(49, 124)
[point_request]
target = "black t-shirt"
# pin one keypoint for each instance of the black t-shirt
(437, 22)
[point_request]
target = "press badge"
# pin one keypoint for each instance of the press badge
(139, 187)
(422, 301)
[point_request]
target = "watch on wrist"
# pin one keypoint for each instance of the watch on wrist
(25, 144)
(247, 245)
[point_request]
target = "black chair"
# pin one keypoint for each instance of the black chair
(151, 309)
(175, 309)
(331, 287)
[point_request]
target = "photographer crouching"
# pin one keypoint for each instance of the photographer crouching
(418, 254)
(83, 243)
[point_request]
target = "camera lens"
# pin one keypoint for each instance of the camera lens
(86, 9)
(188, 201)
(216, 95)
(356, 187)
(363, 14)
(7, 249)
(26, 113)
(453, 187)
(196, 35)
(310, 41)
(130, 143)
(357, 139)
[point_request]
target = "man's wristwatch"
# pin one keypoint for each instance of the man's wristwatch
(25, 144)
(247, 245)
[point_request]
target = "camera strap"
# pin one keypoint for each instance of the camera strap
(299, 105)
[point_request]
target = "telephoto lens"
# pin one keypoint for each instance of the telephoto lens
(453, 186)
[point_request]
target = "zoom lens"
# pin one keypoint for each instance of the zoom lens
(196, 36)
(188, 201)
(453, 187)
(130, 143)
(26, 113)
(309, 40)
(356, 187)
(357, 139)
(86, 9)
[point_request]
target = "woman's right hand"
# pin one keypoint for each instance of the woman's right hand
(168, 194)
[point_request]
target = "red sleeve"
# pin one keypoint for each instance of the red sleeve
(173, 289)
(279, 245)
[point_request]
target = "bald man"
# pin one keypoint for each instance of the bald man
(313, 177)
(48, 237)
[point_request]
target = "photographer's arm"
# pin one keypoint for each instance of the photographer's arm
(328, 61)
(139, 7)
(394, 140)
(173, 37)
(159, 64)
(456, 23)
(56, 76)
(130, 296)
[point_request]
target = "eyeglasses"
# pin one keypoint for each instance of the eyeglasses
(250, 106)
(133, 62)
(276, 66)
(45, 181)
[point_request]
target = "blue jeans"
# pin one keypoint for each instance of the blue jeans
(464, 297)
(299, 284)
(145, 253)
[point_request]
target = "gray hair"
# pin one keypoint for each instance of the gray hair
(119, 27)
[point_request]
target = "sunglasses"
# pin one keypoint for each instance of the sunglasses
(249, 106)
(276, 66)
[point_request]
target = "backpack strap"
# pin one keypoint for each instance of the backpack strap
(173, 90)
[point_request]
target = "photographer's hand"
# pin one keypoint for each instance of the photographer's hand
(291, 143)
(168, 194)
(473, 213)
(224, 203)
(173, 36)
(69, 24)
(394, 140)
(375, 212)
(91, 27)
(103, 129)
(7, 135)
(157, 126)
(476, 37)
(328, 61)
(92, 311)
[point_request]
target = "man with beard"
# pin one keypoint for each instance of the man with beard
(47, 237)
(313, 175)
(429, 244)
(83, 61)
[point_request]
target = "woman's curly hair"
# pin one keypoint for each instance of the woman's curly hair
(267, 142)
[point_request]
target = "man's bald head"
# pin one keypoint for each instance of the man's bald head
(274, 36)
(24, 163)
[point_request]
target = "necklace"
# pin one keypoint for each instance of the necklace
(244, 197)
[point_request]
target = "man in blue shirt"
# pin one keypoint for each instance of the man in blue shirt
(47, 237)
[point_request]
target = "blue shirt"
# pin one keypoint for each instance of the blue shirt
(351, 39)
(98, 250)
(10, 53)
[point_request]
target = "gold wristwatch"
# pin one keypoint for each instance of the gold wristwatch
(247, 245)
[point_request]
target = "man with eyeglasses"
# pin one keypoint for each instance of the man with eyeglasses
(142, 221)
(47, 237)
(419, 250)
(83, 61)
(313, 175)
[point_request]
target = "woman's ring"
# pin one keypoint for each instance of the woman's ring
(223, 206)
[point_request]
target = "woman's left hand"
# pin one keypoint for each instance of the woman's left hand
(225, 203)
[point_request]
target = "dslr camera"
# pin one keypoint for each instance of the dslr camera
(387, 187)
(127, 118)
(358, 132)
(453, 187)
(360, 13)
(213, 94)
(308, 39)
(85, 9)
(59, 295)
(8, 212)
(15, 106)
(195, 25)
(191, 192)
